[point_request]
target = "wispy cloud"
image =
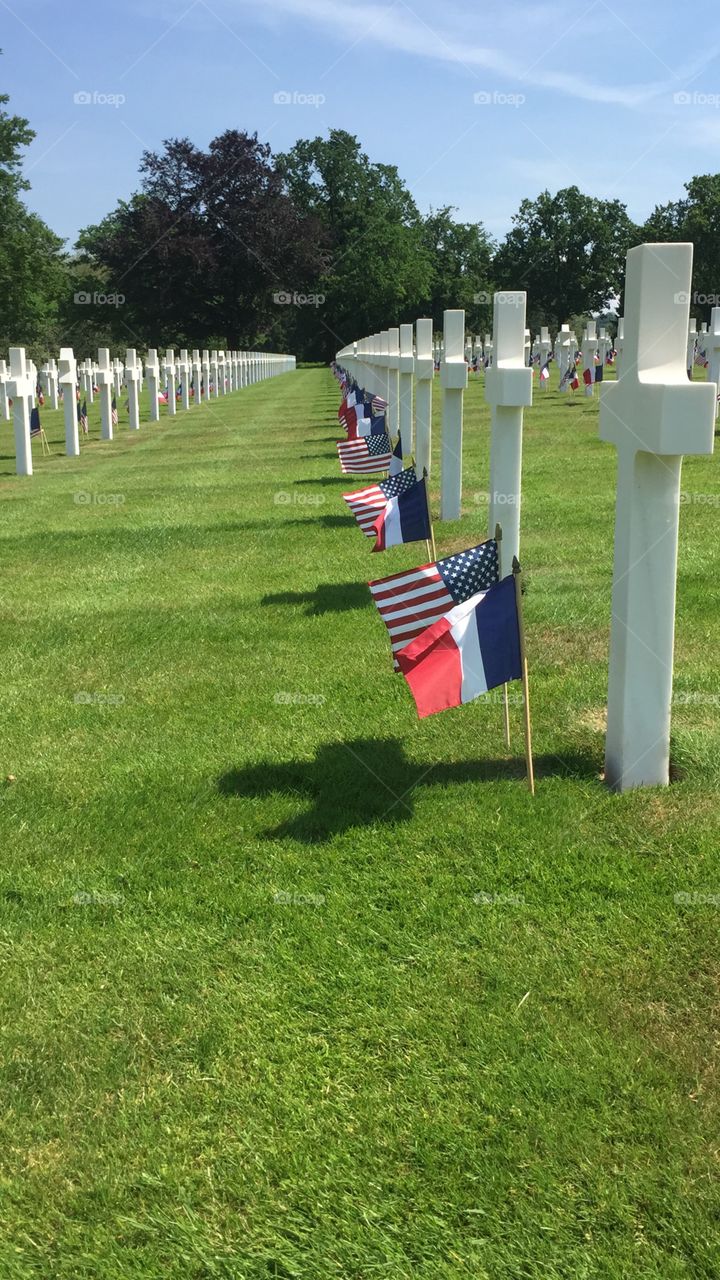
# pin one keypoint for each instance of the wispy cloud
(400, 26)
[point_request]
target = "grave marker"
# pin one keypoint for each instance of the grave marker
(653, 416)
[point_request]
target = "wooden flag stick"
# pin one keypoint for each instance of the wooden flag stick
(427, 496)
(506, 699)
(517, 574)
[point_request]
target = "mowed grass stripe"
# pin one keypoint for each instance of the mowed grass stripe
(294, 984)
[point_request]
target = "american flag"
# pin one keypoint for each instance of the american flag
(82, 417)
(378, 405)
(114, 412)
(35, 428)
(39, 395)
(367, 504)
(365, 455)
(411, 601)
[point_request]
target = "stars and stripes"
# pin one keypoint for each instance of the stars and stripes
(410, 601)
(367, 504)
(114, 412)
(82, 417)
(364, 456)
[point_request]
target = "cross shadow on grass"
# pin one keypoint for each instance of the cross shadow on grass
(327, 597)
(343, 480)
(368, 781)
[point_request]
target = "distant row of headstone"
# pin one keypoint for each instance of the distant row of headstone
(190, 379)
(653, 415)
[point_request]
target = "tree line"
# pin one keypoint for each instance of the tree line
(304, 250)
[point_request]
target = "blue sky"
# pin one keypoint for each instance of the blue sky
(478, 106)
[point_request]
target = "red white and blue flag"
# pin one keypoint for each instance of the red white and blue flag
(365, 455)
(396, 462)
(411, 601)
(406, 518)
(367, 504)
(114, 412)
(35, 428)
(474, 648)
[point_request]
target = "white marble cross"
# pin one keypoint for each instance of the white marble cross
(653, 416)
(393, 367)
(424, 371)
(691, 341)
(105, 385)
(714, 350)
(619, 343)
(205, 385)
(19, 387)
(132, 379)
(213, 388)
(170, 375)
(68, 379)
(4, 395)
(184, 368)
(405, 387)
(508, 390)
(589, 347)
(152, 370)
(453, 380)
(545, 345)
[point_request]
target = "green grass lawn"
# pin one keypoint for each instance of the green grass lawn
(293, 984)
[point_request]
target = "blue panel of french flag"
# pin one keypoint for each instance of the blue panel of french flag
(472, 649)
(405, 519)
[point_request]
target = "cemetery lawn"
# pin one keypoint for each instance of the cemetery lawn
(293, 984)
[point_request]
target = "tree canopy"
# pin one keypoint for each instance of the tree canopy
(308, 249)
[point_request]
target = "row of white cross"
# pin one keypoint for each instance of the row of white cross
(213, 374)
(652, 414)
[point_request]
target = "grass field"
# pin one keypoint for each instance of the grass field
(294, 985)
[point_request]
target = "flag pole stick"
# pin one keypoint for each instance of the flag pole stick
(517, 574)
(506, 699)
(427, 499)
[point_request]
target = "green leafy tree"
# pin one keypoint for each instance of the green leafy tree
(461, 269)
(568, 251)
(695, 217)
(32, 269)
(380, 270)
(201, 248)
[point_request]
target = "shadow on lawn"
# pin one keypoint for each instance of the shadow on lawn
(344, 480)
(369, 781)
(328, 597)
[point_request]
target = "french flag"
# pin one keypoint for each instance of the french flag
(588, 377)
(406, 518)
(472, 649)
